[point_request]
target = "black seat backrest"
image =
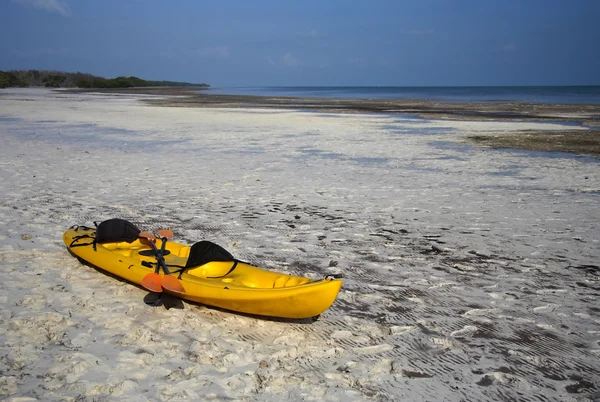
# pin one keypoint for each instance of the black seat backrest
(116, 230)
(206, 251)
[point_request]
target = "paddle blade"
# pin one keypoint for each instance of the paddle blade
(152, 282)
(172, 284)
(166, 233)
(147, 235)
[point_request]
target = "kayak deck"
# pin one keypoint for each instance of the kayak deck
(244, 275)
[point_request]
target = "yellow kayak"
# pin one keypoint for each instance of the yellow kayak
(231, 285)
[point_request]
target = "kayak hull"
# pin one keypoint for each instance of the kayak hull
(245, 288)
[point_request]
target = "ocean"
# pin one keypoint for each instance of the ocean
(529, 94)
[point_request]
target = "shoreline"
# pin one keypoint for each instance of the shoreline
(570, 141)
(585, 114)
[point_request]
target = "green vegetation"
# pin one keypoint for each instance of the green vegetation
(11, 79)
(119, 82)
(59, 79)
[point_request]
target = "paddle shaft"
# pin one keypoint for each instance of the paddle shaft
(154, 281)
(160, 259)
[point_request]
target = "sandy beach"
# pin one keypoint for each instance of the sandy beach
(471, 273)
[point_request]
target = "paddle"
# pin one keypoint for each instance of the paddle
(168, 282)
(153, 281)
(165, 233)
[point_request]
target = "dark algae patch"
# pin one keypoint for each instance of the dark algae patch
(585, 142)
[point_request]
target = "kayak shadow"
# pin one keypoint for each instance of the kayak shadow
(168, 302)
(309, 320)
(163, 299)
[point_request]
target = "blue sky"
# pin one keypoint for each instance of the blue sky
(309, 42)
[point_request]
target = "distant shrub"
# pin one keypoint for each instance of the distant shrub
(119, 82)
(11, 79)
(4, 83)
(55, 79)
(83, 83)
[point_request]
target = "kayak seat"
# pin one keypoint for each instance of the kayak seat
(115, 230)
(206, 251)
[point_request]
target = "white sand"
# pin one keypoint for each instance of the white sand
(471, 273)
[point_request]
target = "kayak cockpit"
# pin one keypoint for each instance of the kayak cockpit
(245, 275)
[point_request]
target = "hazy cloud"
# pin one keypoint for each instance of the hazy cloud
(289, 60)
(310, 34)
(55, 52)
(53, 6)
(510, 47)
(167, 54)
(61, 52)
(270, 60)
(420, 32)
(216, 52)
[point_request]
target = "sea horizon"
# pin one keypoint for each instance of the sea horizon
(570, 94)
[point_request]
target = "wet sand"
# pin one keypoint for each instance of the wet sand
(572, 141)
(587, 114)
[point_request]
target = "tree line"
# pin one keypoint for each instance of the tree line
(60, 79)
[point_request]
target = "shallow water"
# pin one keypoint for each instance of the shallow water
(540, 94)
